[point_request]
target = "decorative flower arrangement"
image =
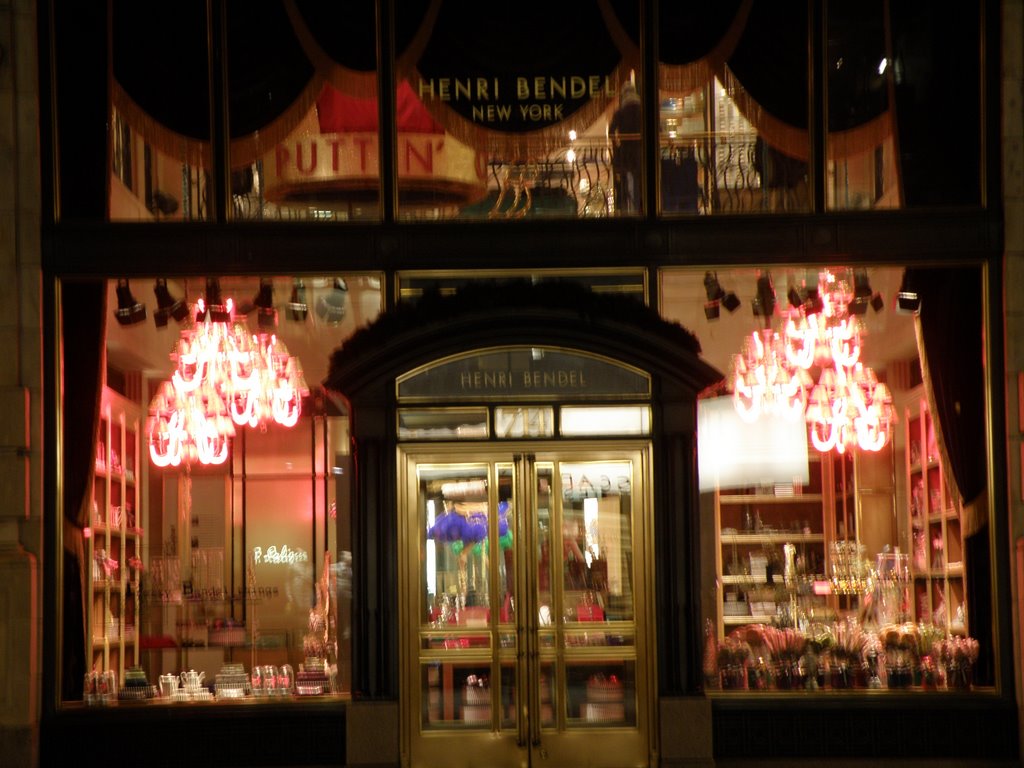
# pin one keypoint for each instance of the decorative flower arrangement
(849, 645)
(902, 652)
(928, 635)
(462, 530)
(733, 654)
(957, 655)
(785, 646)
(847, 654)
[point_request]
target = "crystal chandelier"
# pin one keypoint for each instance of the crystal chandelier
(224, 376)
(764, 382)
(847, 406)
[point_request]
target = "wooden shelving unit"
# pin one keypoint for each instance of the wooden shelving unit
(116, 530)
(849, 498)
(933, 527)
(752, 528)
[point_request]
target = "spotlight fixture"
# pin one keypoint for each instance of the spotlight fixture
(266, 315)
(331, 306)
(297, 307)
(813, 303)
(764, 299)
(129, 311)
(908, 302)
(717, 297)
(863, 296)
(214, 307)
(167, 305)
(796, 300)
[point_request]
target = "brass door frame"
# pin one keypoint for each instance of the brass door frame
(534, 746)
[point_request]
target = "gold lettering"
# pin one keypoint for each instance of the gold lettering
(577, 87)
(539, 92)
(465, 379)
(426, 87)
(481, 89)
(557, 88)
(443, 89)
(595, 85)
(462, 89)
(522, 88)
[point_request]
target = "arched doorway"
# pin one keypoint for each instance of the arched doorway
(494, 648)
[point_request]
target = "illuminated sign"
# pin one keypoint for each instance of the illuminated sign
(284, 555)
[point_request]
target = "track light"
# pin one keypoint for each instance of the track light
(764, 299)
(717, 297)
(796, 299)
(129, 311)
(813, 303)
(166, 305)
(266, 315)
(297, 307)
(908, 303)
(331, 306)
(863, 296)
(214, 306)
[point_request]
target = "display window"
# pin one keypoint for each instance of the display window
(206, 488)
(481, 132)
(733, 107)
(842, 476)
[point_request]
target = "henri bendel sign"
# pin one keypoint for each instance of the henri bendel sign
(537, 99)
(529, 372)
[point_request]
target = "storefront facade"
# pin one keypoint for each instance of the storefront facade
(491, 536)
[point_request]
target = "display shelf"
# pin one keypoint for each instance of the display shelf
(114, 541)
(933, 522)
(770, 543)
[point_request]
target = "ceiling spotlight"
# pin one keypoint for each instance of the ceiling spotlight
(717, 296)
(129, 311)
(266, 315)
(764, 299)
(167, 305)
(297, 307)
(813, 304)
(796, 299)
(908, 303)
(214, 307)
(863, 296)
(331, 306)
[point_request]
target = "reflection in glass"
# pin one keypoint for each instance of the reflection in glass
(601, 694)
(733, 113)
(596, 542)
(485, 132)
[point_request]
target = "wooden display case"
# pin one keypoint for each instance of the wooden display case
(114, 544)
(849, 498)
(759, 530)
(933, 516)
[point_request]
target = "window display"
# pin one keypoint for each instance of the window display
(216, 556)
(849, 570)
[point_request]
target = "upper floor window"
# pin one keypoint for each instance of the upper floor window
(544, 116)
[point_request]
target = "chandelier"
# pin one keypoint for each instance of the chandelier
(224, 376)
(846, 406)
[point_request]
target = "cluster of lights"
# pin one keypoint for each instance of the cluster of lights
(224, 376)
(847, 406)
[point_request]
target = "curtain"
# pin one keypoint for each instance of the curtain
(83, 308)
(950, 328)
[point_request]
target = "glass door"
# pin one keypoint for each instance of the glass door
(525, 637)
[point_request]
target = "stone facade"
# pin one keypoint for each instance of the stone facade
(21, 433)
(20, 387)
